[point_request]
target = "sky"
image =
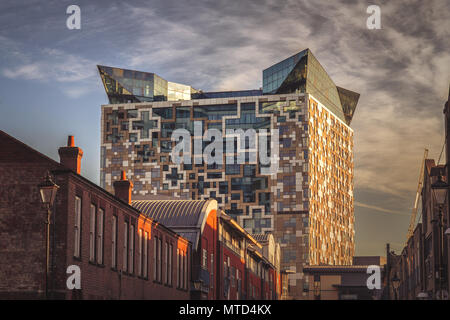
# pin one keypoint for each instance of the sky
(50, 88)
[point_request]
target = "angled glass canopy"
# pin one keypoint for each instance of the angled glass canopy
(300, 73)
(126, 86)
(303, 73)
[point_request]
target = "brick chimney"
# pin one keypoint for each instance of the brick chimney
(123, 188)
(70, 156)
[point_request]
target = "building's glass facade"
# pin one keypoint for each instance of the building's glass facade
(303, 73)
(274, 76)
(126, 86)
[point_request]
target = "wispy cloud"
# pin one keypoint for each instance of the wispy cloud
(53, 65)
(401, 71)
(380, 209)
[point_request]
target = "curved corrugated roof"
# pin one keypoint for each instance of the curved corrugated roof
(173, 213)
(260, 237)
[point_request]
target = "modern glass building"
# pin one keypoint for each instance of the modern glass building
(126, 86)
(307, 203)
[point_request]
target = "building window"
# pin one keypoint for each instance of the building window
(166, 262)
(238, 289)
(100, 228)
(155, 254)
(232, 277)
(185, 260)
(160, 260)
(170, 263)
(92, 234)
(77, 228)
(140, 253)
(178, 268)
(114, 243)
(125, 246)
(145, 256)
(182, 269)
(212, 270)
(205, 259)
(131, 249)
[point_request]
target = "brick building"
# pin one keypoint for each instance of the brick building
(125, 248)
(245, 272)
(121, 253)
(417, 265)
(196, 220)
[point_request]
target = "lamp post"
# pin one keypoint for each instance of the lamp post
(395, 284)
(47, 191)
(440, 189)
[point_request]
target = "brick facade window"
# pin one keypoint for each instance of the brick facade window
(77, 228)
(212, 270)
(205, 259)
(157, 259)
(170, 264)
(131, 250)
(100, 237)
(178, 268)
(166, 263)
(114, 242)
(185, 269)
(145, 256)
(92, 233)
(181, 269)
(140, 252)
(125, 246)
(155, 254)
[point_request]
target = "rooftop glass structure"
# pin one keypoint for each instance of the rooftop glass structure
(130, 86)
(303, 73)
(300, 73)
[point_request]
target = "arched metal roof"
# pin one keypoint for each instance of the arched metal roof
(185, 217)
(261, 237)
(173, 213)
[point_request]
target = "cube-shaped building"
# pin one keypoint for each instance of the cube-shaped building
(301, 117)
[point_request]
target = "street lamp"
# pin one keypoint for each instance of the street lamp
(395, 284)
(47, 191)
(197, 284)
(440, 189)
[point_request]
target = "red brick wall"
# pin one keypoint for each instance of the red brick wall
(103, 282)
(22, 220)
(208, 240)
(238, 264)
(22, 235)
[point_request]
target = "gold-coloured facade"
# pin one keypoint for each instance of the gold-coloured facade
(331, 188)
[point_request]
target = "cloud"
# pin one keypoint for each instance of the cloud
(379, 209)
(50, 66)
(53, 65)
(402, 71)
(28, 72)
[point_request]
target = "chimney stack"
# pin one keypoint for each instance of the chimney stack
(123, 188)
(70, 156)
